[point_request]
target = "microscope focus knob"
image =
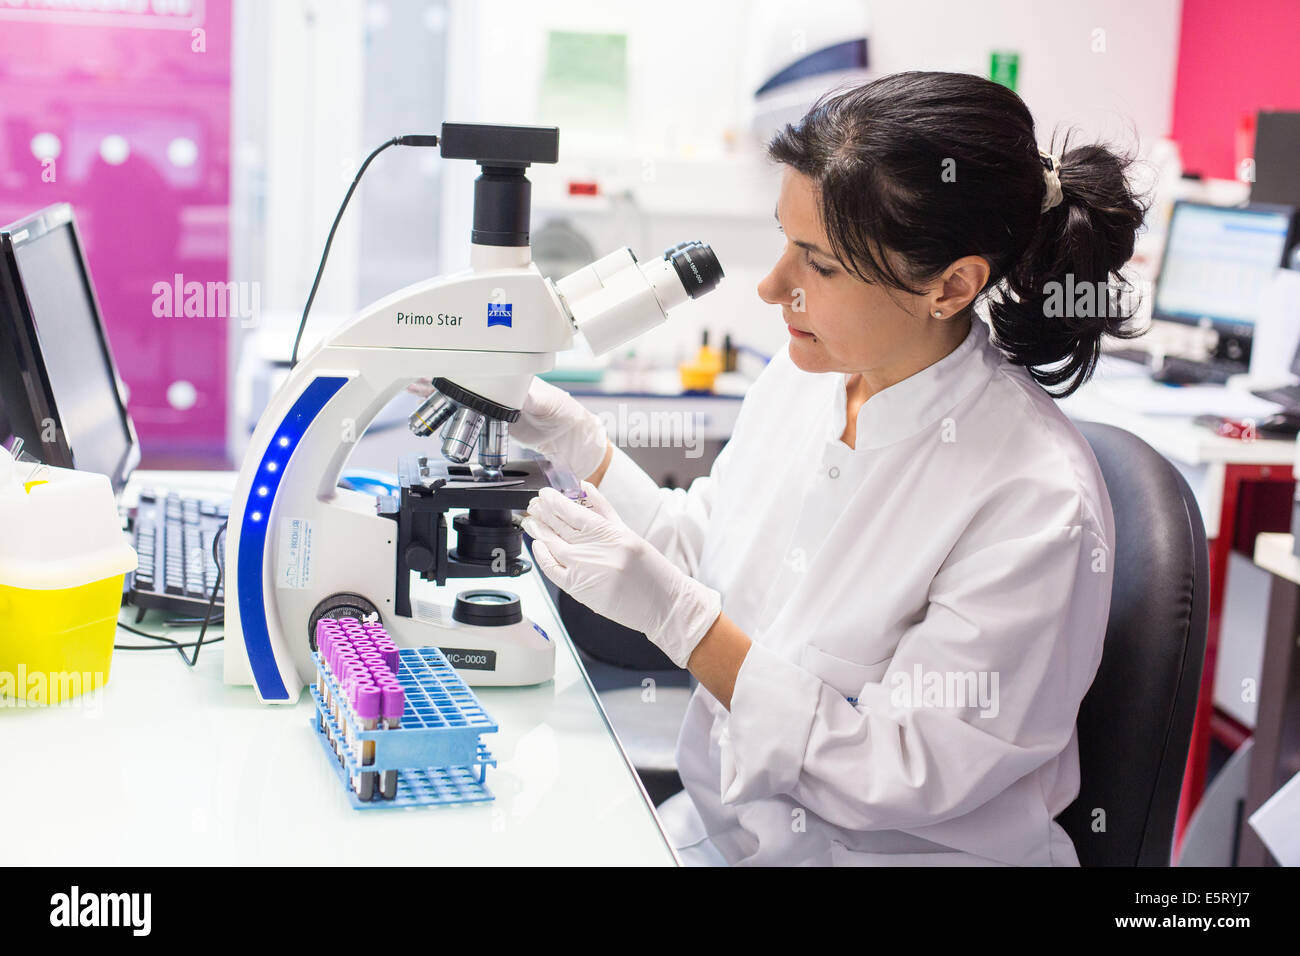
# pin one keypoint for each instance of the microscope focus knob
(343, 604)
(419, 558)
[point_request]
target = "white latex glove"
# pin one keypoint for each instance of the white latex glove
(590, 553)
(555, 423)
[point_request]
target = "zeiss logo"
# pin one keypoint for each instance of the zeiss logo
(499, 314)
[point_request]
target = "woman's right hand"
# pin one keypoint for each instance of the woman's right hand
(556, 424)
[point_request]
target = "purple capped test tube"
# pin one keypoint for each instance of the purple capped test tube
(392, 703)
(347, 668)
(388, 649)
(357, 678)
(361, 681)
(322, 643)
(355, 674)
(329, 636)
(326, 632)
(333, 667)
(369, 707)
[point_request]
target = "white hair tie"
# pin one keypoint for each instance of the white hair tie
(1052, 180)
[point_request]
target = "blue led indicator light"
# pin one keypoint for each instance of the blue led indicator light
(253, 540)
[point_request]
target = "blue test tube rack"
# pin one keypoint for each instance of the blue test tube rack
(437, 753)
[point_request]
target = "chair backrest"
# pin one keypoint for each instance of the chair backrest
(1135, 724)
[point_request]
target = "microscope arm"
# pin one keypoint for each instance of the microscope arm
(293, 532)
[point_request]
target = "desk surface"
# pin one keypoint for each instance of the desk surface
(1177, 437)
(1273, 553)
(167, 765)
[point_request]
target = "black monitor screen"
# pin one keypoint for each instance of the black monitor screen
(75, 355)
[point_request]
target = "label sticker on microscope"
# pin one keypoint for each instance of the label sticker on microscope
(470, 660)
(500, 313)
(293, 558)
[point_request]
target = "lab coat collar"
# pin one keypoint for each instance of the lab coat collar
(921, 400)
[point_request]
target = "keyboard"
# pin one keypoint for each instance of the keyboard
(1288, 396)
(1140, 356)
(173, 536)
(1183, 371)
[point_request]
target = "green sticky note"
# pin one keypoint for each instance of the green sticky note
(1004, 67)
(584, 84)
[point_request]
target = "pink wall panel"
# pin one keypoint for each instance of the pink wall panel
(1234, 58)
(138, 103)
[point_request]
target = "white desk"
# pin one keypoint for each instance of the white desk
(1197, 452)
(167, 765)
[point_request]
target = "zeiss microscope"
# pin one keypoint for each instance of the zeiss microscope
(301, 548)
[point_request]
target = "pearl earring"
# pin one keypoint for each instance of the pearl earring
(938, 314)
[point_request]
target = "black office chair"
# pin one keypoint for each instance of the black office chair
(1135, 724)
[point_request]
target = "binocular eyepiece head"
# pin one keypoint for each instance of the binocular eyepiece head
(617, 298)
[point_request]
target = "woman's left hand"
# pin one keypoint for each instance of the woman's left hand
(591, 554)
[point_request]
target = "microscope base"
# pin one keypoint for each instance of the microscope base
(511, 655)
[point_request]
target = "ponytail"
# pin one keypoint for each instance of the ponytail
(1066, 291)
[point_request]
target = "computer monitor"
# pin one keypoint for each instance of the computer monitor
(59, 387)
(1277, 146)
(1217, 261)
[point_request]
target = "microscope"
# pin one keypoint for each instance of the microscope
(301, 548)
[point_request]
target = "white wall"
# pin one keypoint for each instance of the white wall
(313, 103)
(683, 165)
(690, 77)
(1062, 79)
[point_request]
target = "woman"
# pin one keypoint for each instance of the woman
(894, 584)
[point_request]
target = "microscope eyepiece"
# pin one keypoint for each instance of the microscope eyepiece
(697, 266)
(616, 298)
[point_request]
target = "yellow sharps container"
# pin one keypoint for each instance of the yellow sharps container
(63, 556)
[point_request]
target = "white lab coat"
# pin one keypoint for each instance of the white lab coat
(968, 537)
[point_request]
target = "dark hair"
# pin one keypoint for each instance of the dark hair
(936, 166)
